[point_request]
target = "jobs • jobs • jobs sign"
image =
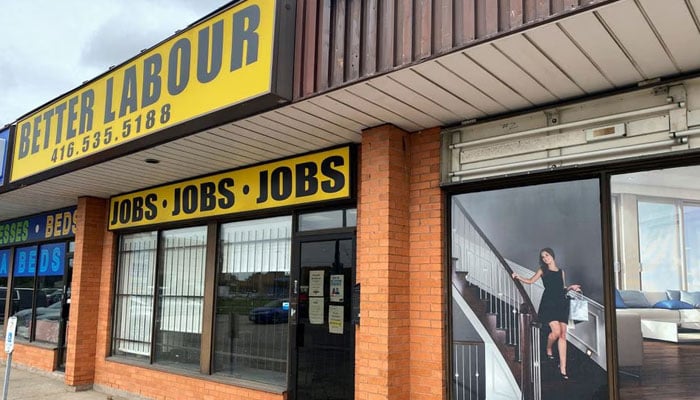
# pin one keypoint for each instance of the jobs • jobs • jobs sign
(311, 178)
(224, 60)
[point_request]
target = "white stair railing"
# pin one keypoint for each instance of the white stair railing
(474, 257)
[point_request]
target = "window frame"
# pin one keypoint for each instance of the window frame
(10, 292)
(206, 370)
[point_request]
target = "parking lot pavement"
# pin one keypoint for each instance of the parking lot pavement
(26, 384)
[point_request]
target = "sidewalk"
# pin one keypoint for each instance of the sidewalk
(26, 384)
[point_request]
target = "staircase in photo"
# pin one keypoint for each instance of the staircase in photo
(508, 360)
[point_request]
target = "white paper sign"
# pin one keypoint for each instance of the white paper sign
(337, 288)
(335, 319)
(316, 283)
(316, 310)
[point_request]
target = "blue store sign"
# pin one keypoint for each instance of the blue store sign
(4, 140)
(49, 258)
(58, 224)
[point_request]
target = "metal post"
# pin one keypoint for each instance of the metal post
(8, 367)
(10, 331)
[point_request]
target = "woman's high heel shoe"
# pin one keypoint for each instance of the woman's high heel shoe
(550, 357)
(564, 377)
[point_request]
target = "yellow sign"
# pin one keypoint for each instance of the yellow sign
(306, 179)
(219, 62)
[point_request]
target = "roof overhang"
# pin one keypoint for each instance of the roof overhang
(614, 47)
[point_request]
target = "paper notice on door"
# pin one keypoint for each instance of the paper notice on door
(335, 319)
(337, 288)
(316, 310)
(315, 283)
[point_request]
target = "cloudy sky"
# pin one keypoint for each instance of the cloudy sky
(49, 47)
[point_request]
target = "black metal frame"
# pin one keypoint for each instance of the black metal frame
(603, 172)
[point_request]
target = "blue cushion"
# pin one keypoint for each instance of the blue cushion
(619, 303)
(634, 299)
(673, 305)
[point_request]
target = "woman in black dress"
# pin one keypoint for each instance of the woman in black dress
(554, 306)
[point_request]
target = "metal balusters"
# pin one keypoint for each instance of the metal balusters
(536, 363)
(469, 370)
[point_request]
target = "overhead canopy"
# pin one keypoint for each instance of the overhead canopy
(607, 48)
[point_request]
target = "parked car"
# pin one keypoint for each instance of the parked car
(21, 299)
(274, 312)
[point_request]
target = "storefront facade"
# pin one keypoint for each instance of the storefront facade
(36, 265)
(315, 200)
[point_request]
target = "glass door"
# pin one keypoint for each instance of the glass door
(323, 355)
(65, 309)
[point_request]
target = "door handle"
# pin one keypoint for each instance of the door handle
(296, 286)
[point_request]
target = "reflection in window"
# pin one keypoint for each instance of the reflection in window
(181, 296)
(252, 300)
(4, 268)
(52, 258)
(23, 290)
(37, 290)
(328, 219)
(134, 295)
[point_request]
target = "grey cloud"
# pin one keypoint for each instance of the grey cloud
(36, 69)
(109, 46)
(153, 20)
(19, 95)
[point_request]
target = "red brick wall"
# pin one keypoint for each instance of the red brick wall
(91, 219)
(146, 381)
(428, 292)
(30, 355)
(382, 340)
(400, 264)
(156, 384)
(104, 319)
(400, 350)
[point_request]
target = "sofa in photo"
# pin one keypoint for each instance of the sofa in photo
(671, 315)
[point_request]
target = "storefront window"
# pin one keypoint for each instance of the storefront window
(180, 297)
(52, 259)
(252, 299)
(134, 295)
(328, 219)
(658, 292)
(252, 303)
(23, 291)
(515, 252)
(4, 268)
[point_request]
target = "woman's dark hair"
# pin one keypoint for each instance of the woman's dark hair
(543, 266)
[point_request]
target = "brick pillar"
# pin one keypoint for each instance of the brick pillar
(91, 219)
(382, 348)
(428, 269)
(104, 321)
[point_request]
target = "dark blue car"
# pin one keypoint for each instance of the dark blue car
(274, 312)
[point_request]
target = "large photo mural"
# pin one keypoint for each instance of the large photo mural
(528, 317)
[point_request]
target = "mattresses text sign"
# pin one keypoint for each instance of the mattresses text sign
(306, 179)
(224, 60)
